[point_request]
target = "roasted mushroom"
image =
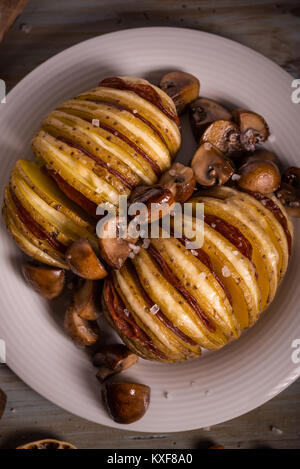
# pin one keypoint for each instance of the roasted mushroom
(48, 443)
(181, 87)
(84, 299)
(292, 177)
(126, 402)
(115, 249)
(253, 127)
(203, 112)
(80, 330)
(258, 155)
(259, 176)
(210, 166)
(158, 201)
(223, 135)
(83, 261)
(3, 400)
(47, 281)
(180, 180)
(289, 191)
(112, 359)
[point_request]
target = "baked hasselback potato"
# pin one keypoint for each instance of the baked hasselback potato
(106, 141)
(168, 302)
(91, 149)
(41, 219)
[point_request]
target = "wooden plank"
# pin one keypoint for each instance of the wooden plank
(9, 10)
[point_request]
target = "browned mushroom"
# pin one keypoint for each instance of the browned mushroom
(47, 281)
(83, 261)
(112, 359)
(258, 155)
(126, 402)
(158, 200)
(289, 191)
(48, 443)
(3, 400)
(80, 330)
(181, 87)
(253, 127)
(292, 177)
(180, 180)
(113, 248)
(259, 176)
(203, 112)
(210, 166)
(84, 299)
(223, 135)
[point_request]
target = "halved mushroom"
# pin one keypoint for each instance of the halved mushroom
(126, 402)
(80, 330)
(210, 166)
(180, 180)
(112, 359)
(259, 176)
(83, 261)
(223, 135)
(253, 127)
(48, 443)
(292, 177)
(47, 281)
(182, 87)
(113, 248)
(203, 112)
(158, 201)
(3, 400)
(289, 196)
(84, 299)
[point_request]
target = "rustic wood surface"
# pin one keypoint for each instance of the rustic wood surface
(10, 9)
(47, 27)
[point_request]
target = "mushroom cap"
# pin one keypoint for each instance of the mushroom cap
(126, 402)
(180, 180)
(83, 261)
(47, 281)
(182, 87)
(210, 166)
(203, 112)
(259, 176)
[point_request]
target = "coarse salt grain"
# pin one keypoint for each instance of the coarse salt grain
(126, 312)
(96, 122)
(235, 253)
(213, 225)
(202, 276)
(194, 252)
(207, 146)
(235, 177)
(154, 309)
(135, 111)
(225, 271)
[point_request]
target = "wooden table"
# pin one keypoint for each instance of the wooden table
(47, 27)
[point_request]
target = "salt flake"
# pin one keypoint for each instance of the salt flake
(225, 271)
(154, 309)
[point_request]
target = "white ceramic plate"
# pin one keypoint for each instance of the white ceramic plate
(220, 385)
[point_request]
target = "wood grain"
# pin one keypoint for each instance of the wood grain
(9, 10)
(269, 27)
